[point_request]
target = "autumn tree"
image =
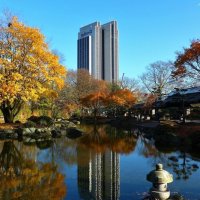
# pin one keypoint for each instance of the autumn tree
(80, 84)
(157, 78)
(187, 63)
(28, 69)
(52, 104)
(122, 98)
(94, 101)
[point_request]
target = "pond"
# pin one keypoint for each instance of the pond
(104, 164)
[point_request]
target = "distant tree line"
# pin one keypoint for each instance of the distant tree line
(32, 77)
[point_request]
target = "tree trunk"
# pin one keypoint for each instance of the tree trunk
(10, 110)
(8, 115)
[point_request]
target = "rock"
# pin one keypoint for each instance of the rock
(57, 124)
(41, 120)
(76, 122)
(56, 133)
(26, 131)
(74, 133)
(29, 141)
(59, 120)
(35, 133)
(173, 158)
(8, 134)
(64, 124)
(177, 197)
(68, 124)
(195, 166)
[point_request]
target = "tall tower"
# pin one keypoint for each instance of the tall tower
(98, 50)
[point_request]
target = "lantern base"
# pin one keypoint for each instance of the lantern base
(160, 195)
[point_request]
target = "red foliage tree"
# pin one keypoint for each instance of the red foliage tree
(188, 62)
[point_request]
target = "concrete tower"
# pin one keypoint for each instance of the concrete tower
(98, 50)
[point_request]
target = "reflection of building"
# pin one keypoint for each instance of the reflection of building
(99, 178)
(98, 50)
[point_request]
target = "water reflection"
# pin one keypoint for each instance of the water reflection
(181, 165)
(21, 177)
(104, 162)
(99, 177)
(103, 138)
(98, 155)
(10, 159)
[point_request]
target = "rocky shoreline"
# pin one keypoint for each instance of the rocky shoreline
(165, 135)
(31, 132)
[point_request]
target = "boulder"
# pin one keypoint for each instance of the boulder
(74, 133)
(8, 134)
(29, 141)
(56, 133)
(26, 131)
(41, 120)
(41, 133)
(64, 124)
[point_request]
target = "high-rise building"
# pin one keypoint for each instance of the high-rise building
(98, 50)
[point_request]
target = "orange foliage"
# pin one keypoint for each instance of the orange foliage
(122, 97)
(93, 100)
(23, 178)
(28, 69)
(188, 62)
(34, 183)
(99, 141)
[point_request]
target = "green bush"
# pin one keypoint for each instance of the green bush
(45, 120)
(41, 120)
(29, 124)
(33, 119)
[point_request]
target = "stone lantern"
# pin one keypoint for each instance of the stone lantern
(159, 178)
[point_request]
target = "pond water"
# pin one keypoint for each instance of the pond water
(104, 164)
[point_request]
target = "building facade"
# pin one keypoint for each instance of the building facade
(98, 50)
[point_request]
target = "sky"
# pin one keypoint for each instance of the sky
(149, 30)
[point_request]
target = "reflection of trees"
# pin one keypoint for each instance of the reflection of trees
(64, 150)
(95, 139)
(101, 138)
(10, 159)
(179, 162)
(181, 165)
(147, 149)
(23, 178)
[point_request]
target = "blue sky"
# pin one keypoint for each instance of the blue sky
(149, 30)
